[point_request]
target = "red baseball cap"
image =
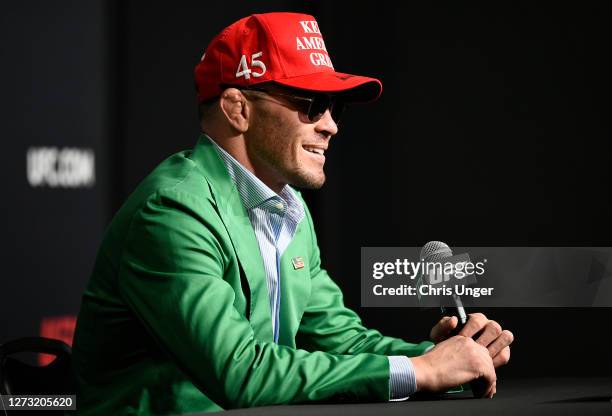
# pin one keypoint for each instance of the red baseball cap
(286, 48)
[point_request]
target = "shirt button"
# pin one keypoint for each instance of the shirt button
(280, 206)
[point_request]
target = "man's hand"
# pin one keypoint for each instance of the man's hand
(491, 335)
(452, 362)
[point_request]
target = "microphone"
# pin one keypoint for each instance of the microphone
(437, 251)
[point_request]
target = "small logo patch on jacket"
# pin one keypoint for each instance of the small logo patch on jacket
(298, 263)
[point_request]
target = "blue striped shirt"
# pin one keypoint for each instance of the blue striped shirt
(275, 218)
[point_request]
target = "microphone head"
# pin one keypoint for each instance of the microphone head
(435, 250)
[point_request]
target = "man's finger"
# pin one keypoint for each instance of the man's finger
(490, 379)
(502, 341)
(448, 323)
(487, 395)
(475, 324)
(493, 390)
(491, 331)
(443, 328)
(502, 357)
(488, 374)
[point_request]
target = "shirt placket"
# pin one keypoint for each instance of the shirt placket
(276, 226)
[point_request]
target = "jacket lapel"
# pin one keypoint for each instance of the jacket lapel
(236, 220)
(295, 285)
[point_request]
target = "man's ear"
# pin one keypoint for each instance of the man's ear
(235, 109)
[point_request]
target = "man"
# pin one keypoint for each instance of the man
(208, 291)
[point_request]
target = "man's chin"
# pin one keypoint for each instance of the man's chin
(305, 181)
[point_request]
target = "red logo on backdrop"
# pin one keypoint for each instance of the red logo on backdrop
(56, 327)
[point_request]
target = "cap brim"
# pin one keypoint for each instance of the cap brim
(354, 88)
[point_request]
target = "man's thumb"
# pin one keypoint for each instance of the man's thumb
(443, 328)
(449, 322)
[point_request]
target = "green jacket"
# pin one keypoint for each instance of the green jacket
(176, 317)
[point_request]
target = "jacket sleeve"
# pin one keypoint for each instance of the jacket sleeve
(171, 276)
(328, 325)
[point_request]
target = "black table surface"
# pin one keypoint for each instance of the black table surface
(533, 396)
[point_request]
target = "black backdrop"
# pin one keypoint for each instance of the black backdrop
(56, 88)
(491, 131)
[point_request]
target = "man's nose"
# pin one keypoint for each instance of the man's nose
(326, 125)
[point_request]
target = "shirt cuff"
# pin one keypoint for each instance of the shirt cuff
(402, 380)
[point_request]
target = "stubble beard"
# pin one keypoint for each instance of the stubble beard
(271, 147)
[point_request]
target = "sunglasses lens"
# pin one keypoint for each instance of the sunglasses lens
(337, 110)
(318, 107)
(321, 104)
(315, 106)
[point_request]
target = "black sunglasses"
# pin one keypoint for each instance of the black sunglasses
(313, 106)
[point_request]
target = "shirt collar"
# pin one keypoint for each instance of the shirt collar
(254, 193)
